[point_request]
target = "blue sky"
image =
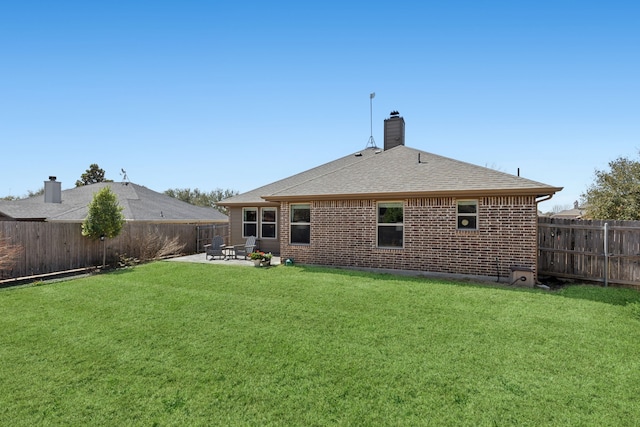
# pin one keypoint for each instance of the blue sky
(234, 95)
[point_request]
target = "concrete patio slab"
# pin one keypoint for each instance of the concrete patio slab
(201, 258)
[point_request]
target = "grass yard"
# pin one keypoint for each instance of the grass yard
(177, 344)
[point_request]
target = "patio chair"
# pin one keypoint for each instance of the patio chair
(247, 248)
(215, 248)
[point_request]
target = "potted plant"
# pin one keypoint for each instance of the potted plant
(260, 258)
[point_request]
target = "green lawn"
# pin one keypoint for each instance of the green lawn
(180, 344)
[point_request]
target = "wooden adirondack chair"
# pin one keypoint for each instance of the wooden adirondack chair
(215, 248)
(247, 248)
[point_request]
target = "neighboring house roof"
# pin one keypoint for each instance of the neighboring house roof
(397, 172)
(576, 213)
(139, 203)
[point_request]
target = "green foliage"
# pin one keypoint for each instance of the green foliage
(105, 216)
(30, 193)
(200, 198)
(171, 343)
(92, 175)
(39, 192)
(392, 216)
(615, 194)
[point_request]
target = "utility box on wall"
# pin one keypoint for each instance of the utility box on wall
(521, 276)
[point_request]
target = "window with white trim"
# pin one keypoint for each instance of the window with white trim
(268, 224)
(300, 224)
(390, 224)
(467, 215)
(249, 222)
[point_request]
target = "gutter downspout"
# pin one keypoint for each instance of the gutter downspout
(544, 199)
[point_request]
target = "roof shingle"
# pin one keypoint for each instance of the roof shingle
(399, 171)
(139, 203)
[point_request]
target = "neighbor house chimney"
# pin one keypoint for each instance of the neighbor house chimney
(393, 131)
(52, 191)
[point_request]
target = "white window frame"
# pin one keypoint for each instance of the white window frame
(392, 203)
(465, 216)
(256, 210)
(299, 223)
(274, 222)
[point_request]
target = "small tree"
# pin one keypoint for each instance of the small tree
(615, 194)
(104, 219)
(92, 175)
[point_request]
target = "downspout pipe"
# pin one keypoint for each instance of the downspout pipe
(544, 199)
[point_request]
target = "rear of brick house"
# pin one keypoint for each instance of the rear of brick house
(396, 208)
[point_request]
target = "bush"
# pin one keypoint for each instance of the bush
(153, 246)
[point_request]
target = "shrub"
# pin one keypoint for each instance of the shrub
(153, 246)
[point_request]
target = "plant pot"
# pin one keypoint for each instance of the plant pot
(257, 262)
(265, 263)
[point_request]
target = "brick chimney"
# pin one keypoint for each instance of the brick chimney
(52, 191)
(393, 131)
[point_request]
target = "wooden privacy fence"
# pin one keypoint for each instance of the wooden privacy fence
(593, 250)
(53, 247)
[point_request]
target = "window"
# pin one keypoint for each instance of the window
(390, 224)
(301, 224)
(249, 222)
(268, 223)
(467, 215)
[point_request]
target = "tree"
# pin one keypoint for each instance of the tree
(30, 193)
(92, 175)
(39, 192)
(199, 198)
(560, 208)
(615, 194)
(104, 219)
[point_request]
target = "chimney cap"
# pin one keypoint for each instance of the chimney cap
(52, 178)
(394, 113)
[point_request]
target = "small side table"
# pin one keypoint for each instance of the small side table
(229, 251)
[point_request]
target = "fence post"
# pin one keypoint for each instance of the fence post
(606, 254)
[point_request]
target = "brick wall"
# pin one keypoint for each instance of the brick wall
(343, 233)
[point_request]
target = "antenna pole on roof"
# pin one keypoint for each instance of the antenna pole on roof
(371, 143)
(125, 178)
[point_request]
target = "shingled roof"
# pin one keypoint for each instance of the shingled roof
(139, 203)
(397, 172)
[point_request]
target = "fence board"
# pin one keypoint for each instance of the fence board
(53, 247)
(575, 249)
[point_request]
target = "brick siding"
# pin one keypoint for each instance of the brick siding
(343, 233)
